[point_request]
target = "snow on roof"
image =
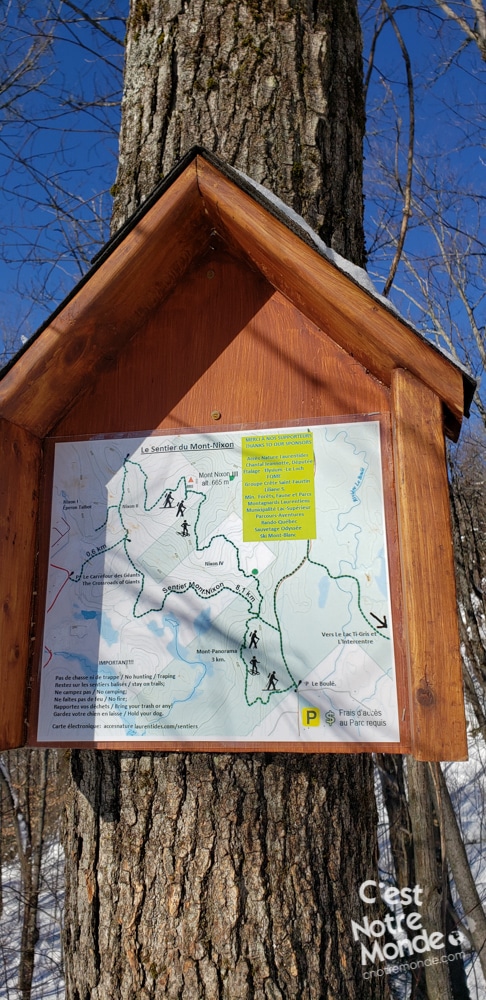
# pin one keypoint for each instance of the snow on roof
(297, 224)
(290, 218)
(356, 273)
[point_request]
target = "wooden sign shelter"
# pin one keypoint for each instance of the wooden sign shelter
(214, 310)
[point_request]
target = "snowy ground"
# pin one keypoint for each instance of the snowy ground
(48, 979)
(467, 785)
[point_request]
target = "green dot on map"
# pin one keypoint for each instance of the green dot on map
(255, 572)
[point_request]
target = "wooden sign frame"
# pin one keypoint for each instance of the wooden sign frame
(208, 280)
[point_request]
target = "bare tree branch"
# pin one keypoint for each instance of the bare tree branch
(95, 22)
(459, 864)
(475, 33)
(407, 190)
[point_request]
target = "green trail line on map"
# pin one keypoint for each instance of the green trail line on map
(278, 629)
(195, 587)
(101, 551)
(286, 577)
(345, 576)
(198, 590)
(199, 548)
(339, 576)
(124, 541)
(147, 508)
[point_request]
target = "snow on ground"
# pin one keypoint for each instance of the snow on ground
(466, 781)
(48, 978)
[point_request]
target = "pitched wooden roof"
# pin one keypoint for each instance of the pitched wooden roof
(148, 257)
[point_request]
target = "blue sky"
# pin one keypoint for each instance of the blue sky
(58, 152)
(449, 92)
(449, 187)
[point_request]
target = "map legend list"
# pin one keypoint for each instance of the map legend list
(278, 486)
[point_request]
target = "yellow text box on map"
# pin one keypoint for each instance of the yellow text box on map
(279, 502)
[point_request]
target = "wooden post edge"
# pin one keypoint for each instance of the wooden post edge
(438, 728)
(20, 455)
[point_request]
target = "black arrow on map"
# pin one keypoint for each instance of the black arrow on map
(382, 623)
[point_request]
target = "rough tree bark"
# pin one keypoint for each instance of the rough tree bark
(217, 876)
(391, 769)
(229, 876)
(426, 871)
(275, 88)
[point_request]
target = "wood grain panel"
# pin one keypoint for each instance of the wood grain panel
(107, 310)
(19, 462)
(438, 724)
(224, 340)
(344, 310)
(202, 747)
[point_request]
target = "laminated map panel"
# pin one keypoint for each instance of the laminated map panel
(124, 485)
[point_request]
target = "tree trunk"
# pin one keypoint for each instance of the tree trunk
(25, 785)
(207, 876)
(215, 875)
(273, 87)
(393, 783)
(427, 872)
(392, 778)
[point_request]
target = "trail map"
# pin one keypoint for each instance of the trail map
(228, 587)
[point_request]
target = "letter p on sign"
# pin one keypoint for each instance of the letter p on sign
(311, 717)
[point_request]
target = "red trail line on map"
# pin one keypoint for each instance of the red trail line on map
(64, 570)
(64, 533)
